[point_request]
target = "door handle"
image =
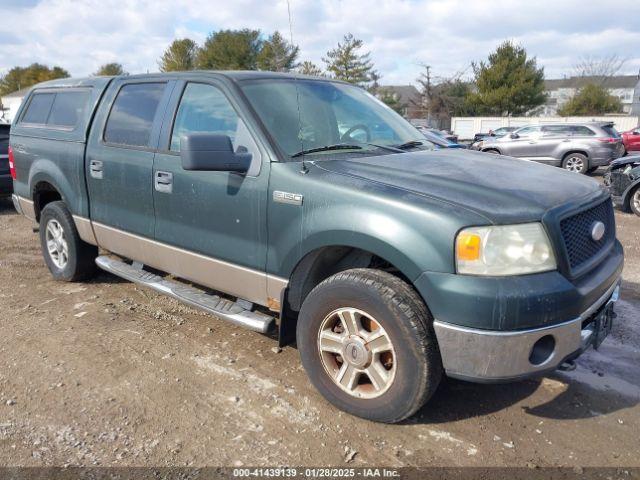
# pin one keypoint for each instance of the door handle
(163, 182)
(95, 169)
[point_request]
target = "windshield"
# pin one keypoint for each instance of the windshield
(330, 114)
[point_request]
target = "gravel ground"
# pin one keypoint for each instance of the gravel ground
(107, 373)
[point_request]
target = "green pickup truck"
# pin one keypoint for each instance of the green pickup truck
(306, 206)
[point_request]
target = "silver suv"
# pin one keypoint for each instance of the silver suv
(578, 147)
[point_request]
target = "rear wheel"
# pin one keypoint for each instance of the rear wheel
(634, 201)
(576, 162)
(67, 256)
(367, 343)
(492, 150)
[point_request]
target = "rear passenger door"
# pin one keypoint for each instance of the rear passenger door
(551, 142)
(119, 162)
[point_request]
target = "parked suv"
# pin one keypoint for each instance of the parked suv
(6, 184)
(578, 148)
(313, 208)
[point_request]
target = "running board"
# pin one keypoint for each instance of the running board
(214, 304)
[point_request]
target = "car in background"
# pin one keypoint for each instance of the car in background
(6, 183)
(498, 132)
(631, 140)
(623, 181)
(452, 137)
(438, 140)
(577, 147)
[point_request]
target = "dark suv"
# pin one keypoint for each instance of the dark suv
(578, 148)
(6, 185)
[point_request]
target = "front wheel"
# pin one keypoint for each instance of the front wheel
(634, 201)
(67, 256)
(576, 162)
(367, 343)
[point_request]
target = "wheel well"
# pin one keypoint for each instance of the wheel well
(489, 150)
(44, 193)
(626, 204)
(320, 264)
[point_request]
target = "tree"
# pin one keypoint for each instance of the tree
(602, 67)
(230, 50)
(277, 55)
(310, 68)
(591, 99)
(179, 56)
(345, 63)
(110, 69)
(389, 97)
(23, 77)
(510, 83)
(443, 97)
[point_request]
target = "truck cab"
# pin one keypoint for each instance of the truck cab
(305, 206)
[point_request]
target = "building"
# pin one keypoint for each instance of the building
(560, 91)
(10, 103)
(407, 97)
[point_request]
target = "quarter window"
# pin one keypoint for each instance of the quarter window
(39, 108)
(204, 108)
(131, 118)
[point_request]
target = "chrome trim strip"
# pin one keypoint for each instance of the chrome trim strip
(85, 230)
(497, 355)
(27, 207)
(242, 282)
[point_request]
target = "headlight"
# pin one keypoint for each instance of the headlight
(504, 250)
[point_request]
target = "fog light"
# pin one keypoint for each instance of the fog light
(542, 350)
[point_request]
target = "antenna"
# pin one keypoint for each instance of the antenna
(295, 81)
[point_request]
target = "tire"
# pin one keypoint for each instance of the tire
(634, 201)
(69, 258)
(592, 169)
(492, 151)
(576, 162)
(412, 366)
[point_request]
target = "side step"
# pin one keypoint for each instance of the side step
(214, 304)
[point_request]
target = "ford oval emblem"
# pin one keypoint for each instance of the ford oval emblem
(597, 231)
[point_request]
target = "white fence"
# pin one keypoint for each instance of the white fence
(467, 127)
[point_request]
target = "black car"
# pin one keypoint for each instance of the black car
(623, 180)
(6, 184)
(498, 132)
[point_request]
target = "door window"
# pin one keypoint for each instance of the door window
(528, 131)
(204, 108)
(556, 130)
(131, 118)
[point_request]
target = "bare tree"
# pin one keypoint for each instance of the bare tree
(602, 67)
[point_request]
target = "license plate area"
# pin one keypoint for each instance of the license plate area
(602, 324)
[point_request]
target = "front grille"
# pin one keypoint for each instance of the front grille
(576, 232)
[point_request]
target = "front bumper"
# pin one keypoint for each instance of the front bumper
(494, 356)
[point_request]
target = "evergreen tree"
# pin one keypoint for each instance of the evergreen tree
(310, 68)
(277, 55)
(179, 56)
(510, 83)
(346, 63)
(230, 50)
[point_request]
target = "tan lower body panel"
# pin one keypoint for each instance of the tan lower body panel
(25, 206)
(242, 282)
(85, 230)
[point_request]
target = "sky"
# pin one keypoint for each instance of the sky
(402, 35)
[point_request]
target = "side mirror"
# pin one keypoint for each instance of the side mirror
(514, 135)
(212, 153)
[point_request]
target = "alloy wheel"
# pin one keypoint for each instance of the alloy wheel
(357, 353)
(57, 244)
(574, 164)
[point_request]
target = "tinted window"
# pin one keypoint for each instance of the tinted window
(203, 108)
(131, 117)
(553, 130)
(39, 108)
(610, 131)
(68, 108)
(582, 131)
(526, 131)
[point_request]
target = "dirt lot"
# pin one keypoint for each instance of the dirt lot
(107, 373)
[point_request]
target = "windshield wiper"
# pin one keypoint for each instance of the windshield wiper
(410, 144)
(326, 148)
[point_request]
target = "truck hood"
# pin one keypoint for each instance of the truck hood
(502, 189)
